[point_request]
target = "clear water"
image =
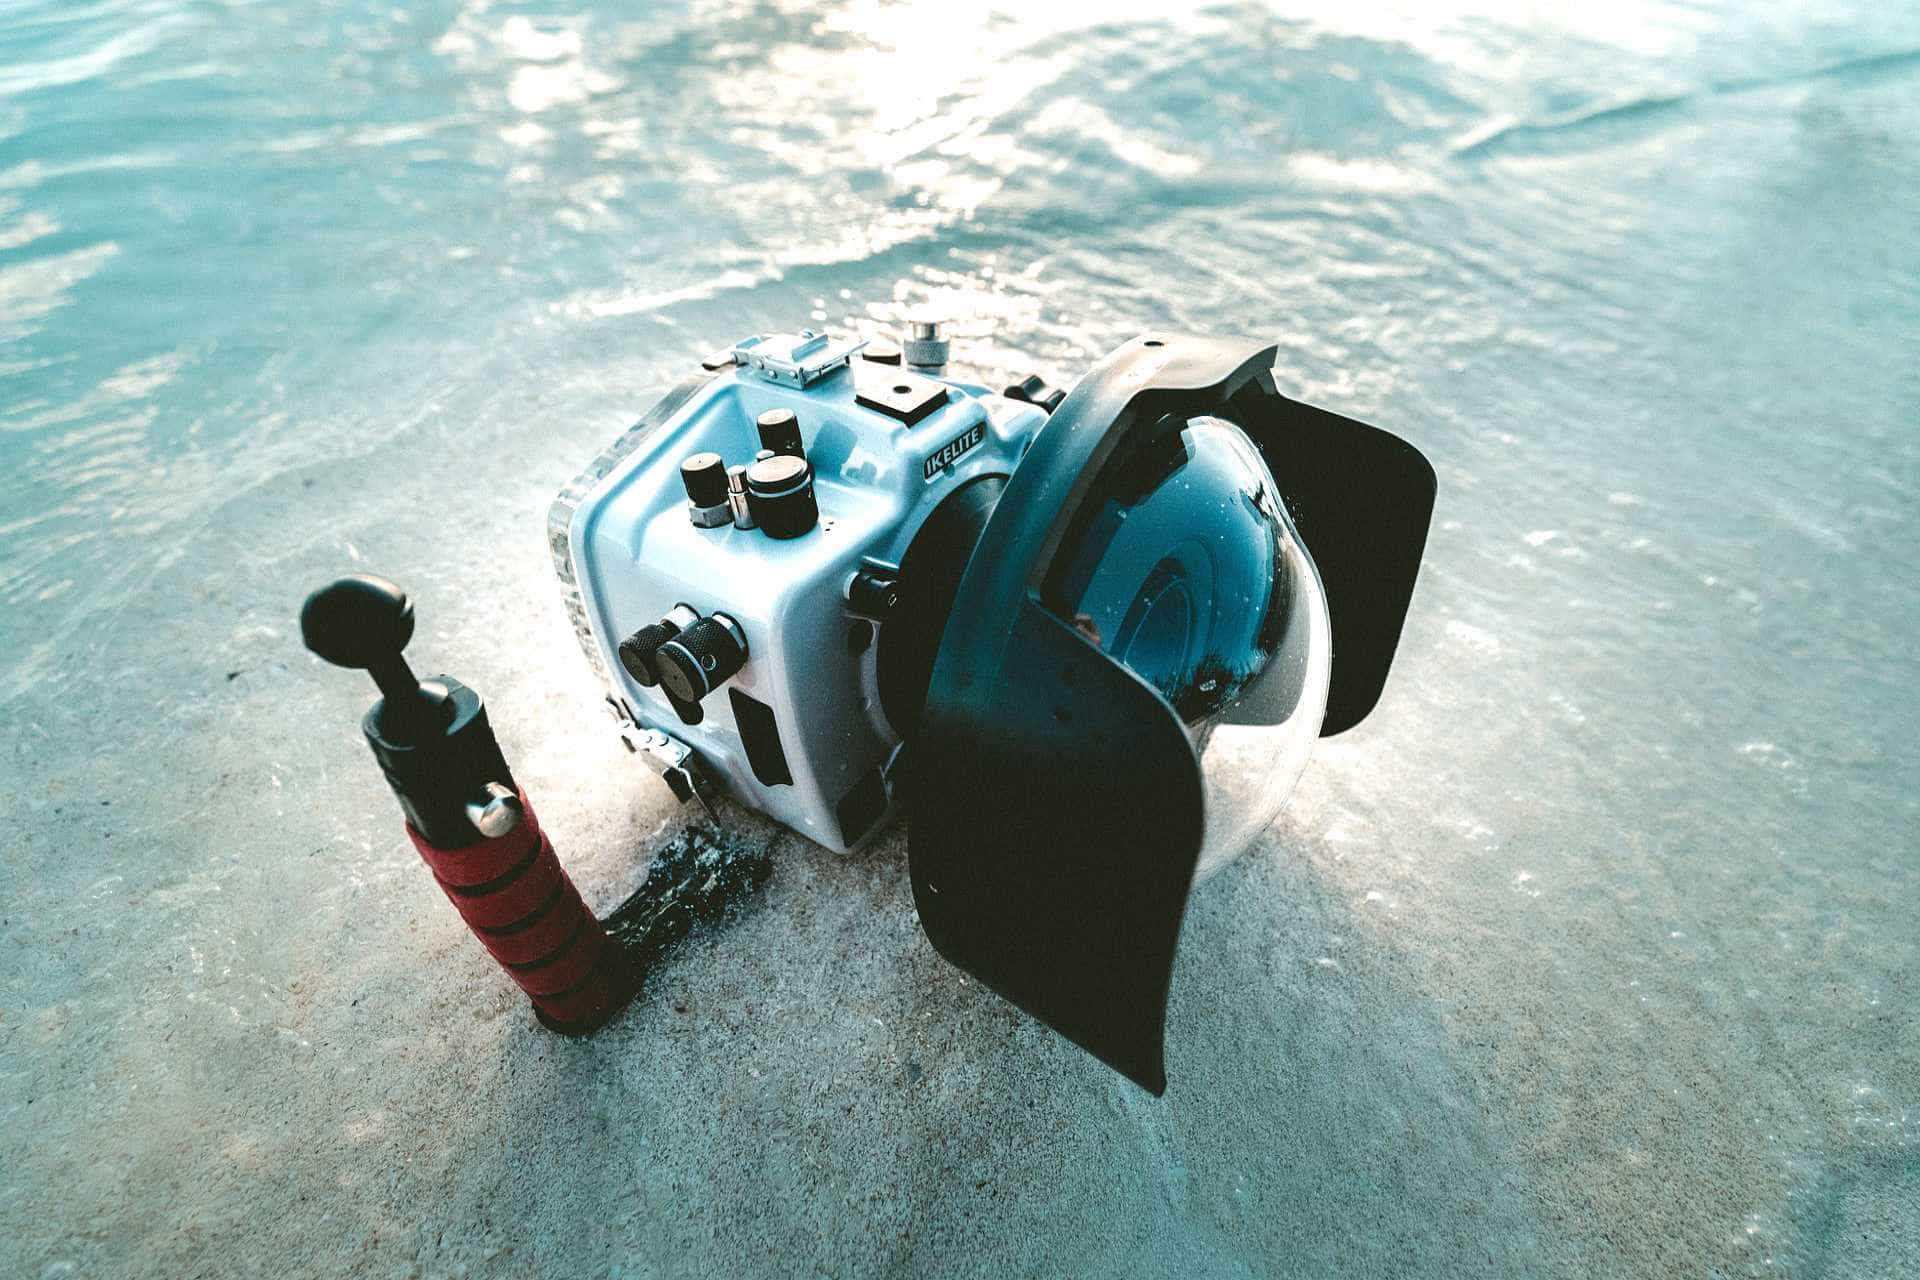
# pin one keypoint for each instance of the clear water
(1592, 953)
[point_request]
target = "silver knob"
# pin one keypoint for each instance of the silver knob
(926, 346)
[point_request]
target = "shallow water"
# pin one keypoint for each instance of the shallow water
(1593, 952)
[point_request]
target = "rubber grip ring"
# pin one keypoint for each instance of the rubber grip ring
(520, 904)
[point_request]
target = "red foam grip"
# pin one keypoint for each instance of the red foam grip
(476, 864)
(510, 900)
(540, 935)
(566, 968)
(604, 992)
(518, 901)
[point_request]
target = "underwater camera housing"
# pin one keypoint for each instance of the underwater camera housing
(1084, 640)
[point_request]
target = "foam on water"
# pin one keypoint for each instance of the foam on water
(1592, 952)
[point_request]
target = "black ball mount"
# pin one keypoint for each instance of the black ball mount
(431, 738)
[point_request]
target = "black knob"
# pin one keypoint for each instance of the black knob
(701, 658)
(637, 650)
(1033, 389)
(780, 432)
(364, 622)
(780, 495)
(705, 475)
(873, 594)
(357, 622)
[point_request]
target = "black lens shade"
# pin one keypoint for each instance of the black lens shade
(1060, 882)
(1055, 796)
(1362, 499)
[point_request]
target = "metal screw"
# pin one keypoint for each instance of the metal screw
(498, 814)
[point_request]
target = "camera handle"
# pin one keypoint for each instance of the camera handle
(469, 820)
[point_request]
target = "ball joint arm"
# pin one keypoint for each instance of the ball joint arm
(431, 738)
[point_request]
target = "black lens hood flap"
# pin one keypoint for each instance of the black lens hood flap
(1055, 800)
